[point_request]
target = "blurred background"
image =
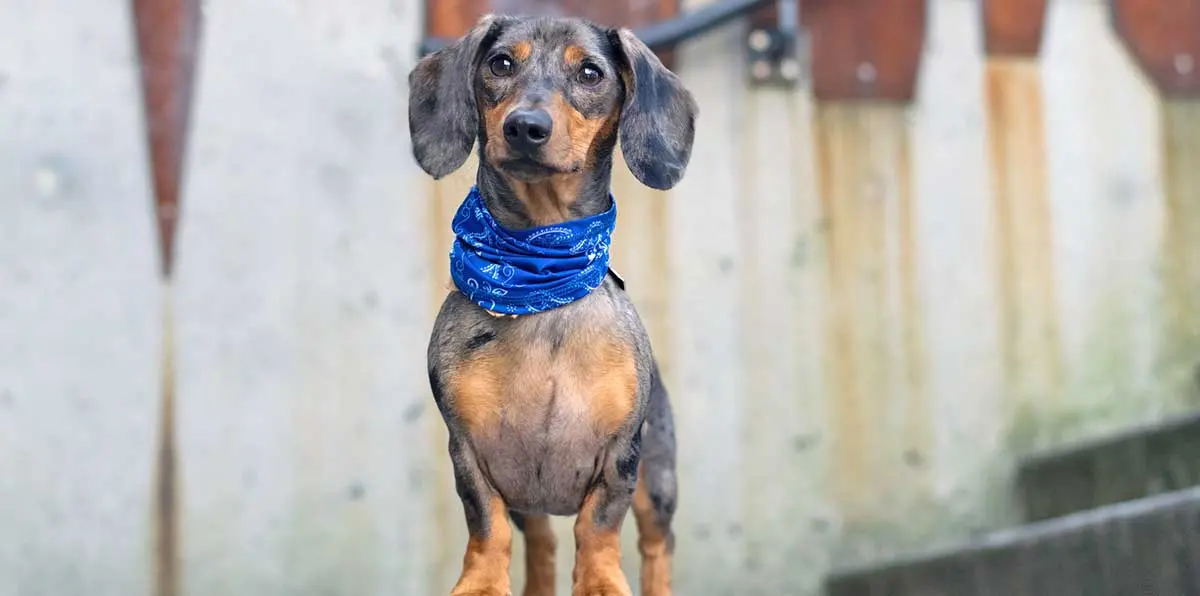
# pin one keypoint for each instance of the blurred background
(931, 284)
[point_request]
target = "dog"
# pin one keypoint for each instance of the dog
(554, 406)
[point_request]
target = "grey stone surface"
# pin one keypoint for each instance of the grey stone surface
(1147, 546)
(1139, 462)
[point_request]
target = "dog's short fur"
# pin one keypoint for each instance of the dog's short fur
(561, 412)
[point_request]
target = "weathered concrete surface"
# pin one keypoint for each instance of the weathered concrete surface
(302, 309)
(1140, 462)
(1107, 204)
(312, 255)
(80, 308)
(1148, 546)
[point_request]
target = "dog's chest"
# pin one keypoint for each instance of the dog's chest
(541, 409)
(584, 380)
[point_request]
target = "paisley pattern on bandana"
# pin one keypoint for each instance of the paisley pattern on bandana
(520, 272)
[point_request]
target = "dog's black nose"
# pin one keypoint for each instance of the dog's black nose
(527, 130)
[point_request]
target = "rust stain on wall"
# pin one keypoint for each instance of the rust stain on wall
(1181, 244)
(168, 33)
(1029, 325)
(166, 486)
(1013, 27)
(866, 49)
(874, 337)
(917, 424)
(453, 18)
(1164, 38)
(849, 454)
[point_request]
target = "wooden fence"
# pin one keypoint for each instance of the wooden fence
(212, 370)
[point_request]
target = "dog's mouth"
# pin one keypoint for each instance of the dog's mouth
(529, 168)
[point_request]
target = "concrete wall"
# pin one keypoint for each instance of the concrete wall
(843, 316)
(79, 304)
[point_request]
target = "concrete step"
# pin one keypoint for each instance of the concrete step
(1137, 463)
(1148, 546)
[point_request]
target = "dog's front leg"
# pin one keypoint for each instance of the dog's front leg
(540, 551)
(489, 549)
(598, 527)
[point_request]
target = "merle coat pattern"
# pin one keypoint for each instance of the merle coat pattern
(562, 412)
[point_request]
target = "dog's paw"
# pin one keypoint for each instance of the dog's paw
(602, 590)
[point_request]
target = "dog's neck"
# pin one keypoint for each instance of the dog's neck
(518, 205)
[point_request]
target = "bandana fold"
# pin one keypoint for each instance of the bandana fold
(520, 272)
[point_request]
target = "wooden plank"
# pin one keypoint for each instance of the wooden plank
(303, 309)
(1029, 323)
(1181, 247)
(80, 304)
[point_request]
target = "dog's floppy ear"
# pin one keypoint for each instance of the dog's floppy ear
(658, 119)
(442, 117)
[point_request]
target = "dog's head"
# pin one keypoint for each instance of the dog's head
(550, 96)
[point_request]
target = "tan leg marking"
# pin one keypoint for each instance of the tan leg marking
(653, 544)
(540, 550)
(597, 555)
(485, 566)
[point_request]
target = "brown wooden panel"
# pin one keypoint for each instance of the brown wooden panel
(865, 49)
(453, 18)
(1013, 27)
(1164, 38)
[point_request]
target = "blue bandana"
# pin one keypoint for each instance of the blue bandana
(520, 272)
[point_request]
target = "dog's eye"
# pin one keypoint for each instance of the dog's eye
(501, 66)
(590, 75)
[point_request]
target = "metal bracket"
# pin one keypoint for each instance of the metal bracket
(778, 53)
